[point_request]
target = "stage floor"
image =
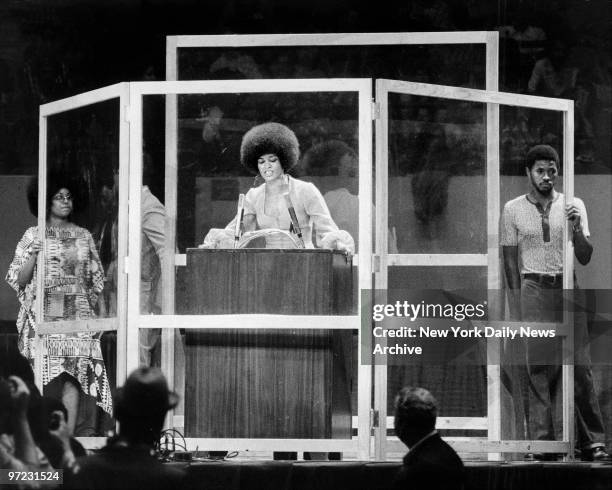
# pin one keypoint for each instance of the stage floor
(323, 475)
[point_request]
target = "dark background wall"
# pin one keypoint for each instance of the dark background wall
(52, 49)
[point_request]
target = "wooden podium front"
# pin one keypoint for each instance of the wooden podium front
(268, 383)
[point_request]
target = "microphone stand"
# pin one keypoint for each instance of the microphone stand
(239, 218)
(294, 221)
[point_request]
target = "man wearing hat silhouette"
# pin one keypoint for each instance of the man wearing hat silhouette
(128, 460)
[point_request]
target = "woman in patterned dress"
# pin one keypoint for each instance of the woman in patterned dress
(73, 280)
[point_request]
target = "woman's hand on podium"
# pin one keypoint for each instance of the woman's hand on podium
(218, 238)
(339, 240)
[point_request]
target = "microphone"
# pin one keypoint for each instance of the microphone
(294, 221)
(239, 217)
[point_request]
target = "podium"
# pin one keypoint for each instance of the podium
(268, 383)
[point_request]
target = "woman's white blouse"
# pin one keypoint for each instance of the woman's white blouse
(310, 208)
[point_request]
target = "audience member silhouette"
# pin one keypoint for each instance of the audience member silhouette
(18, 451)
(430, 462)
(128, 460)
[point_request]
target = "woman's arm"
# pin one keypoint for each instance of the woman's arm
(26, 272)
(224, 238)
(249, 223)
(96, 273)
(249, 219)
(22, 267)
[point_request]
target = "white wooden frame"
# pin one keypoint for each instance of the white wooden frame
(332, 39)
(494, 443)
(132, 113)
(170, 322)
(120, 92)
(489, 39)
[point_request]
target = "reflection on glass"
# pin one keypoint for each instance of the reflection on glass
(459, 394)
(441, 277)
(335, 157)
(459, 65)
(437, 175)
(520, 129)
(461, 390)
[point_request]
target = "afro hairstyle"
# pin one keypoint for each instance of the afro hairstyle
(269, 138)
(324, 158)
(55, 182)
(541, 152)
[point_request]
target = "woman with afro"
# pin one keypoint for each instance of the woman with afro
(73, 280)
(270, 150)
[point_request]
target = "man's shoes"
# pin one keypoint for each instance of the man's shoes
(597, 454)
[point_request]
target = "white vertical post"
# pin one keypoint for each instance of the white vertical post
(365, 263)
(39, 341)
(168, 336)
(382, 252)
(122, 225)
(134, 225)
(568, 284)
(494, 388)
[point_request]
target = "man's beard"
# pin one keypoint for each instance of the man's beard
(544, 192)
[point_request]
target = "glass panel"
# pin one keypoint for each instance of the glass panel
(266, 383)
(461, 391)
(453, 370)
(319, 182)
(520, 129)
(437, 205)
(437, 175)
(79, 267)
(459, 65)
(447, 277)
(153, 212)
(82, 164)
(531, 373)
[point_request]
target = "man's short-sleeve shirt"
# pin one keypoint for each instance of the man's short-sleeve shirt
(522, 227)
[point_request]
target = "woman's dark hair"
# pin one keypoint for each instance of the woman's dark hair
(55, 182)
(269, 138)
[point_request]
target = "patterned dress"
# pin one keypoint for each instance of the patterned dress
(73, 280)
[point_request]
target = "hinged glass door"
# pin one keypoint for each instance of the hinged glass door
(439, 194)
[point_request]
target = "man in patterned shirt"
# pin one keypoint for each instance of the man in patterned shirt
(532, 239)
